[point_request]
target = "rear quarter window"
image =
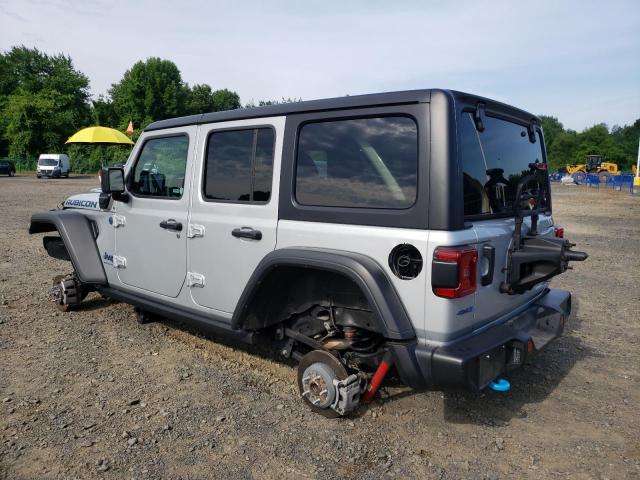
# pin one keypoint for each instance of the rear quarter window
(361, 163)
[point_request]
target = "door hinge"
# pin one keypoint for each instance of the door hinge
(195, 279)
(119, 262)
(195, 230)
(117, 220)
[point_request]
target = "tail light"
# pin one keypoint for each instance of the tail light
(559, 232)
(454, 271)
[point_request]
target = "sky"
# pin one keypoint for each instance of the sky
(576, 60)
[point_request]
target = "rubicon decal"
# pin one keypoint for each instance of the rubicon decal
(81, 203)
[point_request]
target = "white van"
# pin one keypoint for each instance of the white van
(53, 165)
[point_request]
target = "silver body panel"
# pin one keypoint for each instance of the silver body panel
(159, 262)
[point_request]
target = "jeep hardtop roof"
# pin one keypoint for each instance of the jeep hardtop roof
(339, 103)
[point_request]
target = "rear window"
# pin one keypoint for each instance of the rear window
(493, 162)
(362, 163)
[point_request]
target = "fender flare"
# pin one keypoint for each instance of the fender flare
(365, 272)
(78, 236)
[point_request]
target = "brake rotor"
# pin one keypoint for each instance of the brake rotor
(316, 372)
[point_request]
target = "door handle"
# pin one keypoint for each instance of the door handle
(171, 224)
(489, 253)
(247, 232)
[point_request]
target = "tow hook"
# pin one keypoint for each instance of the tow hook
(500, 385)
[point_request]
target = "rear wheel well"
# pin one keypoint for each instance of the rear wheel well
(289, 290)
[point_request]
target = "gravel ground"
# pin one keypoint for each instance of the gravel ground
(94, 394)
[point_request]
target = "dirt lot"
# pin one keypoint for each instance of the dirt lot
(93, 394)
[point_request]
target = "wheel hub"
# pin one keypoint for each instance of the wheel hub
(318, 386)
(65, 292)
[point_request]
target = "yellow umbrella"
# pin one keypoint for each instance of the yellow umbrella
(100, 135)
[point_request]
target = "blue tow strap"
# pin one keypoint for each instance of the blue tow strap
(500, 385)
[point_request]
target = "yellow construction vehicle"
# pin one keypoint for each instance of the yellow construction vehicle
(595, 165)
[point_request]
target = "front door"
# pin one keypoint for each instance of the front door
(150, 247)
(234, 213)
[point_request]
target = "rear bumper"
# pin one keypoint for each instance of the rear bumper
(478, 358)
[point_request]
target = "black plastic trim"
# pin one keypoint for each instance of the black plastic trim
(489, 253)
(77, 233)
(339, 103)
(204, 321)
(365, 272)
(456, 363)
(55, 248)
(446, 200)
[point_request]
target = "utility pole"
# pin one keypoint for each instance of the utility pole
(636, 181)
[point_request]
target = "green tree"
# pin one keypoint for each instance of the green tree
(43, 100)
(151, 90)
(552, 128)
(103, 112)
(225, 100)
(202, 99)
(627, 139)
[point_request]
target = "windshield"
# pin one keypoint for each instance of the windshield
(47, 162)
(493, 162)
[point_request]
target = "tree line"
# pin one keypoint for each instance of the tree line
(565, 146)
(44, 99)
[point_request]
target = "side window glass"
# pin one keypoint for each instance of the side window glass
(160, 168)
(362, 163)
(239, 165)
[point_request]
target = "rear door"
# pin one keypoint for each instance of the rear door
(493, 162)
(234, 213)
(150, 241)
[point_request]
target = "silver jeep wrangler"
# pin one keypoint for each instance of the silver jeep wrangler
(407, 231)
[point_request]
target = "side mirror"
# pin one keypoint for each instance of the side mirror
(112, 180)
